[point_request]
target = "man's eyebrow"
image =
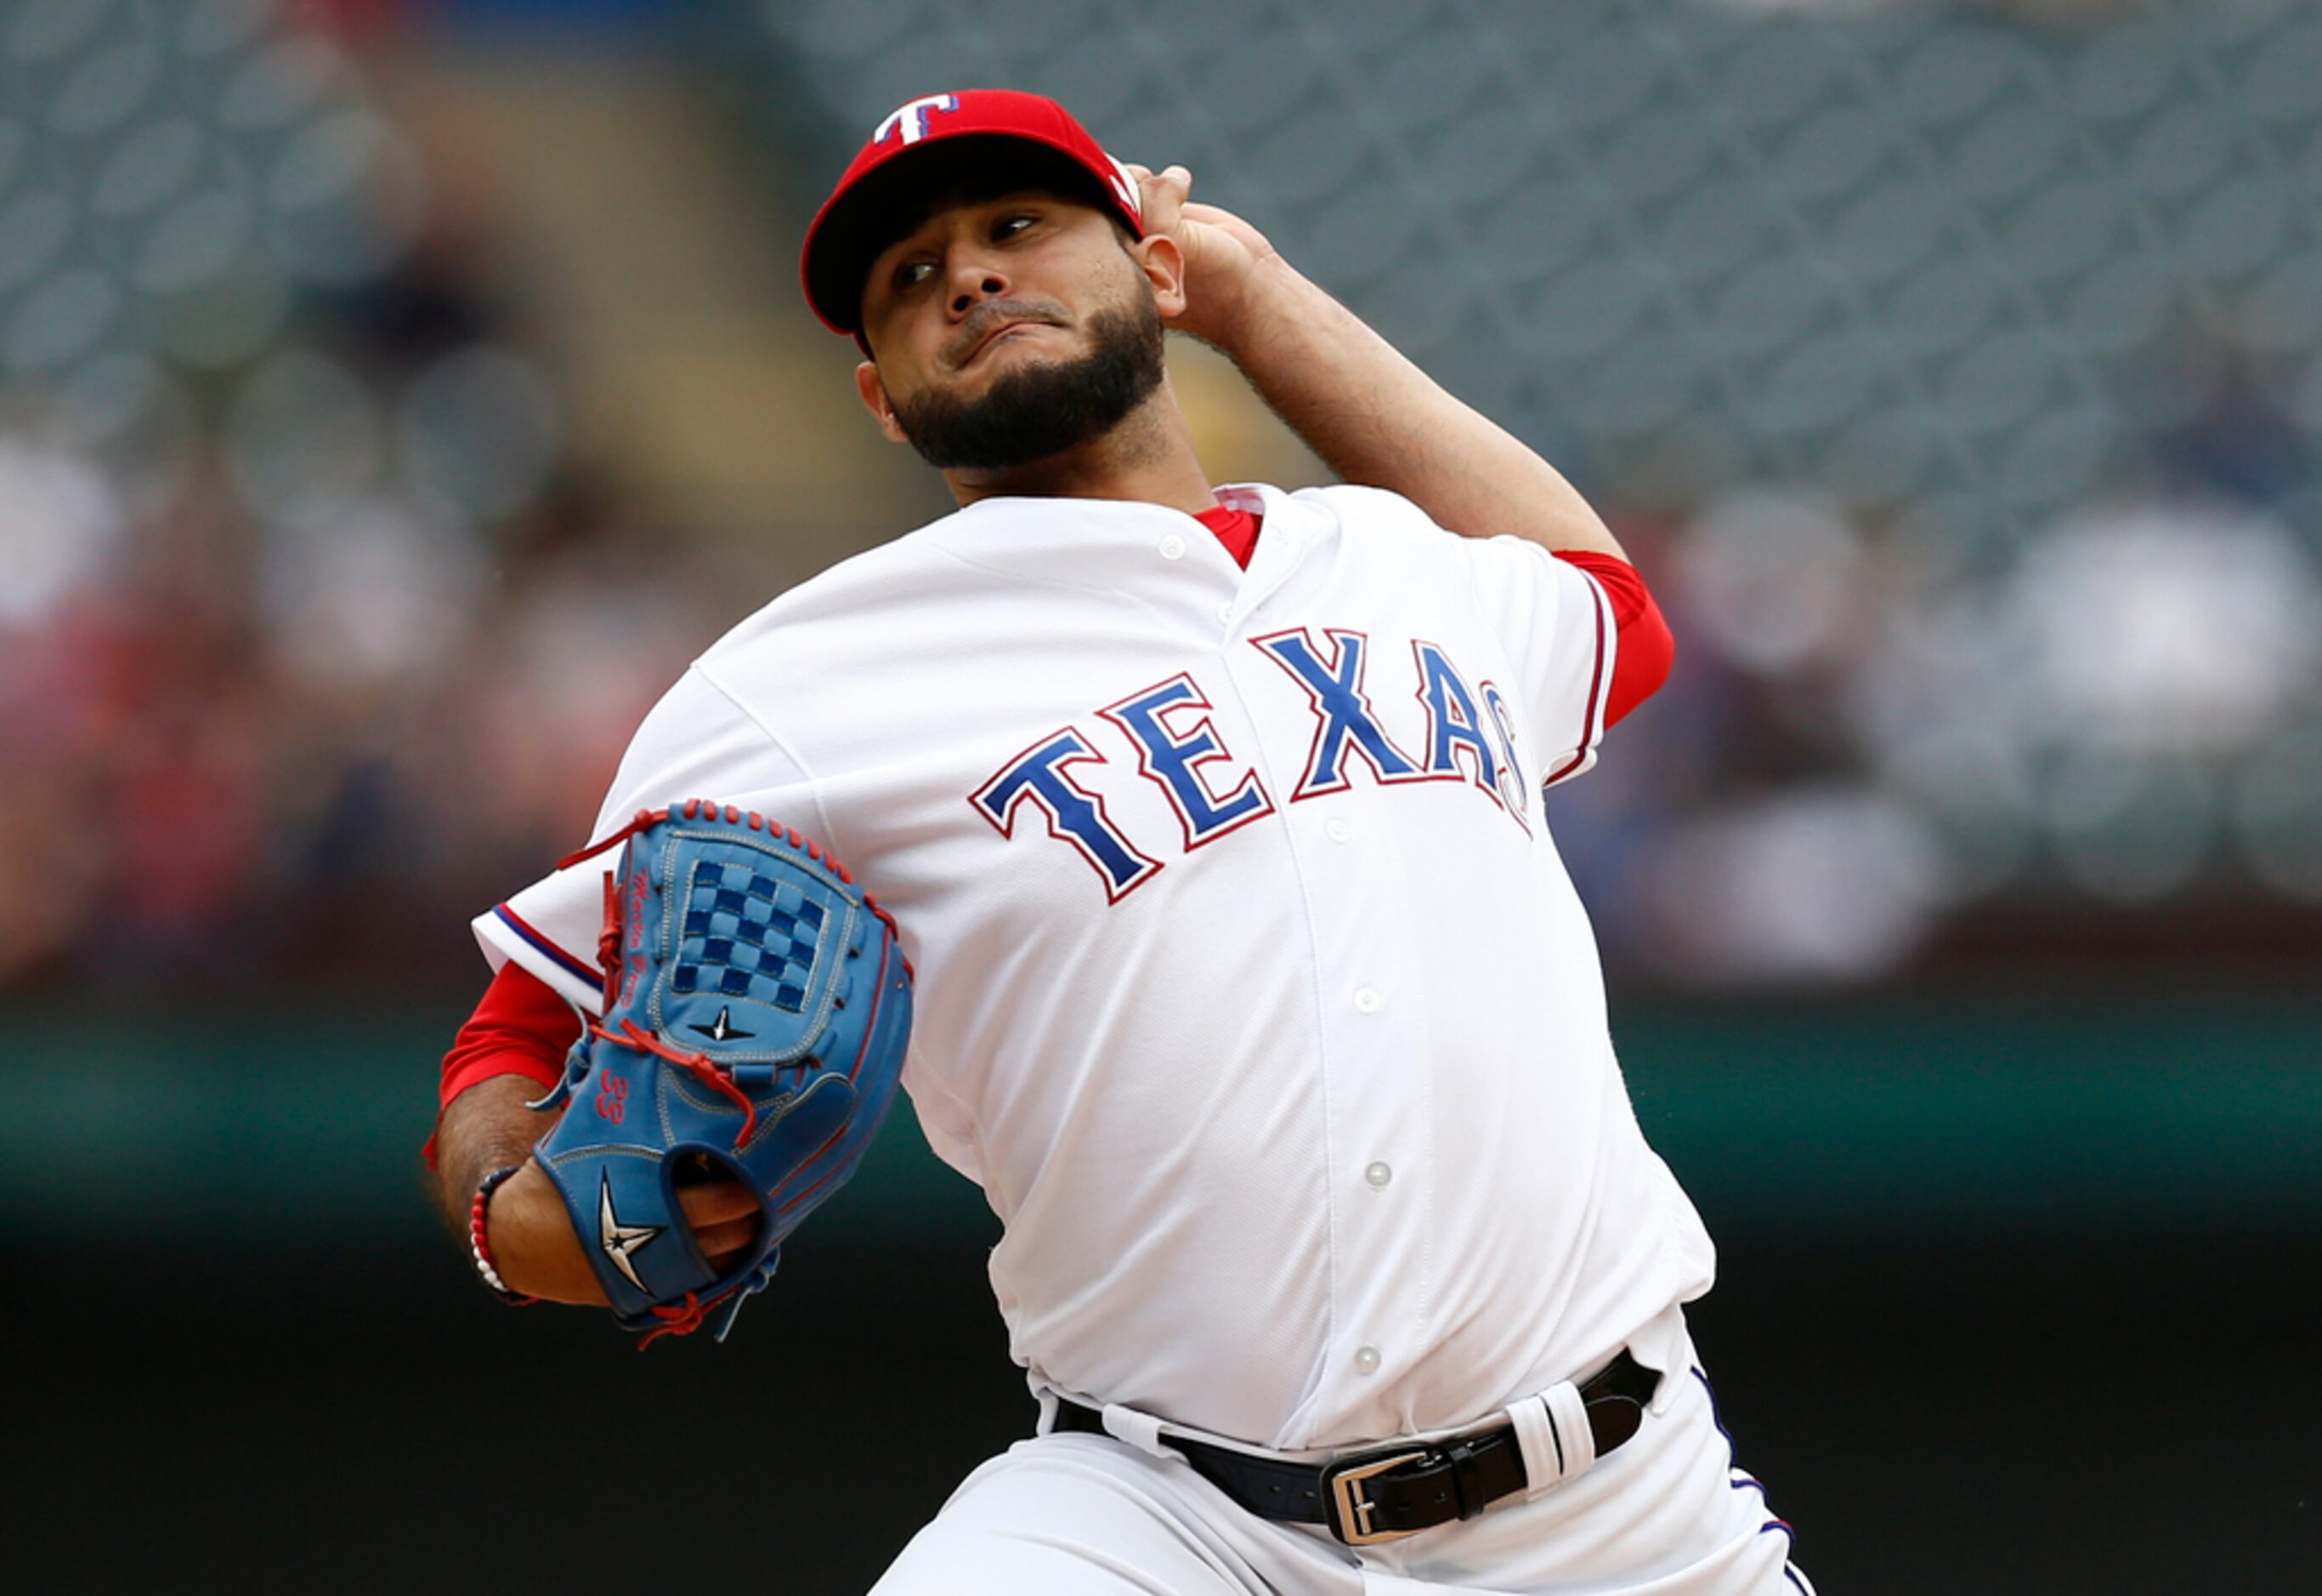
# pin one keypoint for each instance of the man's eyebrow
(910, 225)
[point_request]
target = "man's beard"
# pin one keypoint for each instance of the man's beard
(1043, 407)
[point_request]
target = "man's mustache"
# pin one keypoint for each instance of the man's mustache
(989, 318)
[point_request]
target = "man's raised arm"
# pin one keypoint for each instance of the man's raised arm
(1374, 416)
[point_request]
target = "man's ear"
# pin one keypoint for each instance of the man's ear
(1164, 265)
(875, 400)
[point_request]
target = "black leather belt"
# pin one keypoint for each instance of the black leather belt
(1391, 1491)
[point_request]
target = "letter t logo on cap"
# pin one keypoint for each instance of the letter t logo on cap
(912, 120)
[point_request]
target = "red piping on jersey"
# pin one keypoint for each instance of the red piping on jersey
(1589, 730)
(1641, 663)
(579, 968)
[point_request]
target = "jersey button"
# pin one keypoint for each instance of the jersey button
(1367, 1359)
(1173, 547)
(1225, 613)
(1339, 831)
(1366, 1002)
(1378, 1175)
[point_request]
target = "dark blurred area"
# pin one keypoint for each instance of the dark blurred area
(1949, 1418)
(395, 394)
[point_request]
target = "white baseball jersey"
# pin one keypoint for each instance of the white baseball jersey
(1251, 989)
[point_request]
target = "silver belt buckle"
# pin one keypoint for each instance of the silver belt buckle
(1350, 1506)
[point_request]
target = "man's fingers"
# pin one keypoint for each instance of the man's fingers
(1160, 196)
(720, 1211)
(1214, 220)
(717, 1202)
(717, 1241)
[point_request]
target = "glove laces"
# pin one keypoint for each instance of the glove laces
(677, 1319)
(632, 1034)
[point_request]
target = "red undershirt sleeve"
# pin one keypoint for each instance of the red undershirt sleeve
(521, 1028)
(1641, 663)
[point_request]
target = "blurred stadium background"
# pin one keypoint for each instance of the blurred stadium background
(395, 393)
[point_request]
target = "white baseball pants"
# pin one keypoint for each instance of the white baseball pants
(1667, 1514)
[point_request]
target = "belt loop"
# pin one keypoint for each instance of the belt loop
(1466, 1479)
(1141, 1430)
(1553, 1435)
(1663, 1344)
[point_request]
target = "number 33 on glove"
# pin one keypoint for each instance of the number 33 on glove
(757, 1008)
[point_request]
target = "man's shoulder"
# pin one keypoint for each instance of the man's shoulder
(1379, 530)
(1368, 509)
(870, 581)
(1353, 497)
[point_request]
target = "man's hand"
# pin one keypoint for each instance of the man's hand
(537, 1254)
(1225, 258)
(533, 1244)
(1372, 416)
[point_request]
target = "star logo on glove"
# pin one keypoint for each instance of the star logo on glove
(722, 1029)
(619, 1240)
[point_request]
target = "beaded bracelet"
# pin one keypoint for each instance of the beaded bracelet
(481, 1249)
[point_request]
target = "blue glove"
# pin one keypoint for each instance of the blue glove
(757, 1010)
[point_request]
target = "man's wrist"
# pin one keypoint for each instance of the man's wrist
(480, 1245)
(531, 1239)
(509, 1229)
(1271, 293)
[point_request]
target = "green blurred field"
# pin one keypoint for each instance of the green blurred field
(1907, 1116)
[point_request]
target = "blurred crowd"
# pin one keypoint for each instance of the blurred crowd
(311, 743)
(1994, 559)
(1882, 745)
(278, 713)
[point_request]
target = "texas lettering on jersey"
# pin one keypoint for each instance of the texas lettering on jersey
(1167, 727)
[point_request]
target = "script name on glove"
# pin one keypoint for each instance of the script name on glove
(757, 1008)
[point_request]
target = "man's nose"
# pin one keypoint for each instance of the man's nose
(973, 280)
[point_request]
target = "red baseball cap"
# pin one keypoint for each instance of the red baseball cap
(1013, 126)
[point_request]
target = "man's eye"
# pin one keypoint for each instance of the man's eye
(912, 273)
(1012, 225)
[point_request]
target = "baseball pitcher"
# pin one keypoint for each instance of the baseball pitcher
(1184, 850)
